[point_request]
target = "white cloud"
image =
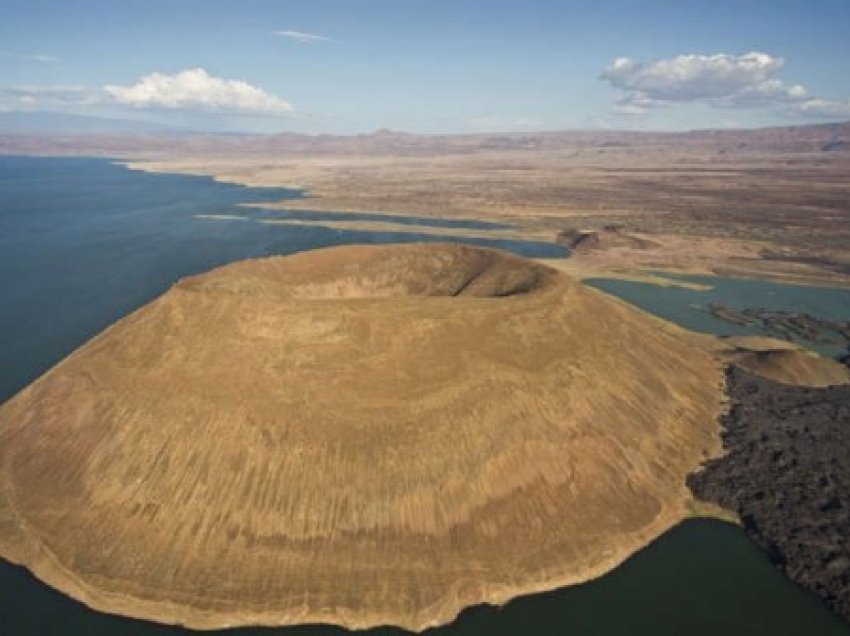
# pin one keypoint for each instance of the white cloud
(45, 58)
(40, 57)
(197, 89)
(628, 108)
(828, 108)
(300, 36)
(719, 80)
(47, 96)
(68, 92)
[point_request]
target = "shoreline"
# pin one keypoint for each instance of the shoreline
(49, 572)
(675, 253)
(784, 471)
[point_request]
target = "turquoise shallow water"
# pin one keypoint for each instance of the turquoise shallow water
(84, 241)
(689, 307)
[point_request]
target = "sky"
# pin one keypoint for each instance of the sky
(354, 66)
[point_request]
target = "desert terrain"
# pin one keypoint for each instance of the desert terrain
(389, 351)
(771, 203)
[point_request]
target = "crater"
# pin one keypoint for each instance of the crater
(359, 436)
(363, 272)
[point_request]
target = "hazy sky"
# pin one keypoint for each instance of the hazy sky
(437, 65)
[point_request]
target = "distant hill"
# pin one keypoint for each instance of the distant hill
(52, 133)
(52, 123)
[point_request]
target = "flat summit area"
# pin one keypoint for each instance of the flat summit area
(357, 436)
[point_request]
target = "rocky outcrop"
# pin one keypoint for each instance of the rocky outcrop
(787, 325)
(607, 237)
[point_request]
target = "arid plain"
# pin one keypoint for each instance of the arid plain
(772, 203)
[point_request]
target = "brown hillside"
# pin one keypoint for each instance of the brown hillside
(358, 435)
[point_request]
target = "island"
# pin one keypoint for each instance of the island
(357, 435)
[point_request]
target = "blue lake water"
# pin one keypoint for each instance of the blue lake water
(85, 241)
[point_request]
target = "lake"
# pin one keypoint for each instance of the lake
(85, 241)
(690, 307)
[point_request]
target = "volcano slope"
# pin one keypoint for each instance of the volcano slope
(358, 436)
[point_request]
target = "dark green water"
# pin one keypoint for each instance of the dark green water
(83, 242)
(690, 308)
(703, 578)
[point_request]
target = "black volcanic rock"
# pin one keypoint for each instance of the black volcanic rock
(787, 474)
(787, 325)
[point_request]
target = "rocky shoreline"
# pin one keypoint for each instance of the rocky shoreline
(786, 473)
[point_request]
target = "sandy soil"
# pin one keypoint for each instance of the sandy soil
(782, 216)
(386, 226)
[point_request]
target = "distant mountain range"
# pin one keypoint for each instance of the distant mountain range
(55, 133)
(52, 123)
